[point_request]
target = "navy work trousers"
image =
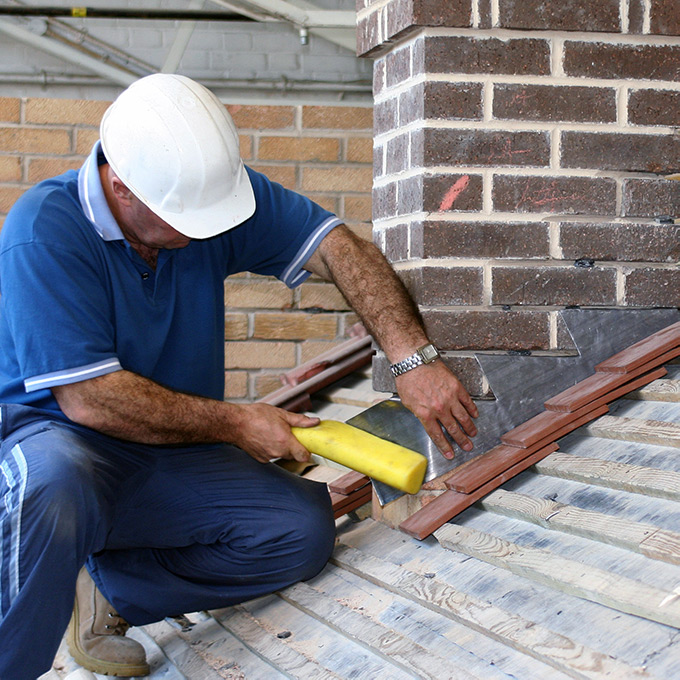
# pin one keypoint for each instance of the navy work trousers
(163, 530)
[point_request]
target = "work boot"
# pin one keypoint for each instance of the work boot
(96, 634)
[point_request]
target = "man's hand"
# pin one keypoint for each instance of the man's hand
(264, 433)
(436, 397)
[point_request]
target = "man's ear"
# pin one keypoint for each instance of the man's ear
(120, 191)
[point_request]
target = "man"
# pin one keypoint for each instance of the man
(118, 451)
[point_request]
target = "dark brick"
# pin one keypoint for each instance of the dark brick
(441, 101)
(396, 243)
(378, 152)
(650, 197)
(397, 66)
(484, 10)
(451, 193)
(435, 193)
(480, 239)
(604, 60)
(455, 54)
(569, 195)
(611, 151)
(378, 76)
(647, 287)
(568, 15)
(384, 201)
(440, 146)
(492, 330)
(396, 154)
(446, 285)
(410, 195)
(369, 36)
(553, 286)
(385, 116)
(620, 242)
(453, 13)
(466, 369)
(664, 17)
(409, 14)
(554, 103)
(565, 343)
(654, 107)
(636, 16)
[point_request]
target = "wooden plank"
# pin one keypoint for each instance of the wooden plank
(662, 545)
(595, 386)
(613, 475)
(548, 422)
(323, 647)
(349, 482)
(288, 396)
(395, 512)
(646, 539)
(450, 503)
(184, 658)
(523, 635)
(659, 390)
(441, 636)
(568, 576)
(325, 473)
(268, 646)
(636, 430)
(643, 352)
(396, 649)
(474, 473)
(342, 504)
(221, 651)
(354, 396)
(326, 359)
(480, 470)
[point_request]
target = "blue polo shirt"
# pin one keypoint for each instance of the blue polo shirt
(76, 301)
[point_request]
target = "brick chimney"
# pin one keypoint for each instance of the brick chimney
(520, 149)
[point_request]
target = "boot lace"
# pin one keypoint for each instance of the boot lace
(115, 623)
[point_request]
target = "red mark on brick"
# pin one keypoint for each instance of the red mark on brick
(453, 193)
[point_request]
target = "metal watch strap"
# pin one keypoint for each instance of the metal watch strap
(415, 360)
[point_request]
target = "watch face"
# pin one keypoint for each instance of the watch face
(429, 353)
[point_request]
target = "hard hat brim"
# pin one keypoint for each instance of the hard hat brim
(200, 223)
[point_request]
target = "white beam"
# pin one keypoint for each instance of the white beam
(70, 54)
(336, 26)
(182, 37)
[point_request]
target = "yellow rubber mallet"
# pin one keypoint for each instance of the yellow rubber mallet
(377, 458)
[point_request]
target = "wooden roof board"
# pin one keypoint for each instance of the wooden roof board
(577, 629)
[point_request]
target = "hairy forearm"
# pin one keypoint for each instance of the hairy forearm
(374, 291)
(127, 406)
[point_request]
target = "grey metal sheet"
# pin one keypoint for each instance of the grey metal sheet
(520, 384)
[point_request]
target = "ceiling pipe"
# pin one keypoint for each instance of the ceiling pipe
(122, 13)
(282, 85)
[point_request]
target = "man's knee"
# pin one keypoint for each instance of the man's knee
(314, 529)
(49, 482)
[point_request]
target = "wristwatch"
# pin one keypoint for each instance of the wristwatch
(423, 355)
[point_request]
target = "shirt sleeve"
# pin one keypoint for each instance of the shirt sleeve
(55, 305)
(282, 234)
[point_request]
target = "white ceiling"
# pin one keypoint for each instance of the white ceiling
(290, 50)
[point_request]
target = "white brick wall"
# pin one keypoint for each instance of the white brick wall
(217, 51)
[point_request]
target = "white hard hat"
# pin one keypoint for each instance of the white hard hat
(174, 145)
